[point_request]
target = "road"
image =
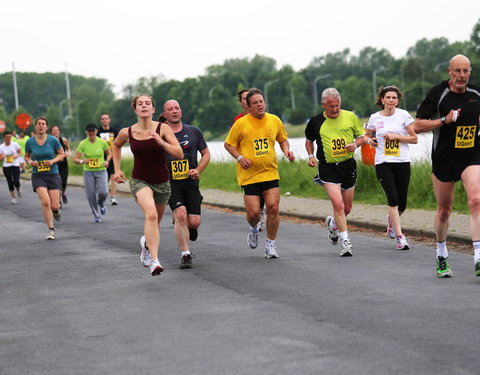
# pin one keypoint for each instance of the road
(83, 304)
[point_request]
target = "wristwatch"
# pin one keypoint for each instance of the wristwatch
(442, 119)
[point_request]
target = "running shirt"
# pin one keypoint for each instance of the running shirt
(255, 140)
(149, 162)
(95, 152)
(107, 135)
(191, 141)
(391, 151)
(332, 135)
(455, 143)
(9, 152)
(21, 142)
(47, 151)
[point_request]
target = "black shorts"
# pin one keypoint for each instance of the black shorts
(186, 193)
(51, 181)
(344, 173)
(110, 168)
(259, 187)
(453, 172)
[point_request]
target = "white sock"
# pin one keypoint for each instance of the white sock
(186, 252)
(270, 242)
(476, 249)
(343, 235)
(442, 249)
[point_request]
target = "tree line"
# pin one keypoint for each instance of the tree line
(209, 101)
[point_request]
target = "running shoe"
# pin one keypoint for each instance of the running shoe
(113, 201)
(402, 243)
(259, 226)
(19, 192)
(57, 215)
(390, 231)
(64, 199)
(346, 248)
(145, 257)
(103, 209)
(443, 270)
(270, 251)
(51, 234)
(263, 218)
(252, 238)
(13, 201)
(193, 234)
(477, 268)
(332, 233)
(155, 267)
(97, 219)
(187, 261)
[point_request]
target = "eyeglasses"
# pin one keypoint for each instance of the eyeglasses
(459, 71)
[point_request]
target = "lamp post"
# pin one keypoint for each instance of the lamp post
(265, 92)
(315, 91)
(374, 80)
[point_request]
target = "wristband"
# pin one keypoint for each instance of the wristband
(81, 161)
(311, 156)
(240, 158)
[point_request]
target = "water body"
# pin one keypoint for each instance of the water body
(419, 152)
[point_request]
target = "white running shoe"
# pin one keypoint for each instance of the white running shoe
(57, 215)
(19, 192)
(51, 234)
(346, 248)
(332, 233)
(402, 243)
(390, 231)
(13, 201)
(270, 251)
(155, 267)
(252, 238)
(113, 201)
(145, 257)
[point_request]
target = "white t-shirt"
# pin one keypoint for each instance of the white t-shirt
(9, 151)
(391, 151)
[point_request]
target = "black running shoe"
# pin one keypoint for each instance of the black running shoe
(186, 261)
(193, 234)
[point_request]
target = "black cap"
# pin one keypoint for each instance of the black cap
(91, 127)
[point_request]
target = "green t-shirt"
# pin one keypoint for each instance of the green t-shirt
(95, 151)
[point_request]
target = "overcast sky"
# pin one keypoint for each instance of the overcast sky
(125, 40)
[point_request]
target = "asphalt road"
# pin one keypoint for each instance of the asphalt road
(83, 304)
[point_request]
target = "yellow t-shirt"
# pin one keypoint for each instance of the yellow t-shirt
(255, 140)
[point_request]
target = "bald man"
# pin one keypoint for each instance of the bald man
(452, 110)
(185, 199)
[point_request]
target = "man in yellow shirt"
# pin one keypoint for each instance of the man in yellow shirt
(251, 141)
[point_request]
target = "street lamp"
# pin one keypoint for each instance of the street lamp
(440, 64)
(374, 80)
(315, 91)
(265, 91)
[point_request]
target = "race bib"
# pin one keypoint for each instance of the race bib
(180, 169)
(10, 159)
(43, 166)
(261, 147)
(338, 147)
(107, 137)
(465, 136)
(94, 163)
(392, 147)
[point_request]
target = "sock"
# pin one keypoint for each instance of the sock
(476, 249)
(186, 252)
(442, 249)
(270, 242)
(343, 235)
(52, 229)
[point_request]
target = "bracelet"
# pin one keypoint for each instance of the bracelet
(311, 156)
(240, 158)
(81, 161)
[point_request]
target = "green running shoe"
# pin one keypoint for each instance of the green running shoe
(477, 268)
(443, 270)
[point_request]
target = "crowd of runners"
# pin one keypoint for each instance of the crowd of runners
(169, 157)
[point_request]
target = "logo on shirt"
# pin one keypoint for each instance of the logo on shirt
(380, 125)
(184, 144)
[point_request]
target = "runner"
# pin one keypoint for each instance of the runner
(108, 134)
(21, 140)
(149, 141)
(43, 152)
(251, 141)
(394, 131)
(452, 110)
(10, 153)
(63, 165)
(94, 170)
(185, 199)
(337, 133)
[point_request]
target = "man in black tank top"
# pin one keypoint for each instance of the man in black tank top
(185, 199)
(452, 110)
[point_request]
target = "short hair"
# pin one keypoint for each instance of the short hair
(7, 133)
(105, 113)
(135, 99)
(253, 91)
(240, 93)
(329, 93)
(40, 118)
(384, 90)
